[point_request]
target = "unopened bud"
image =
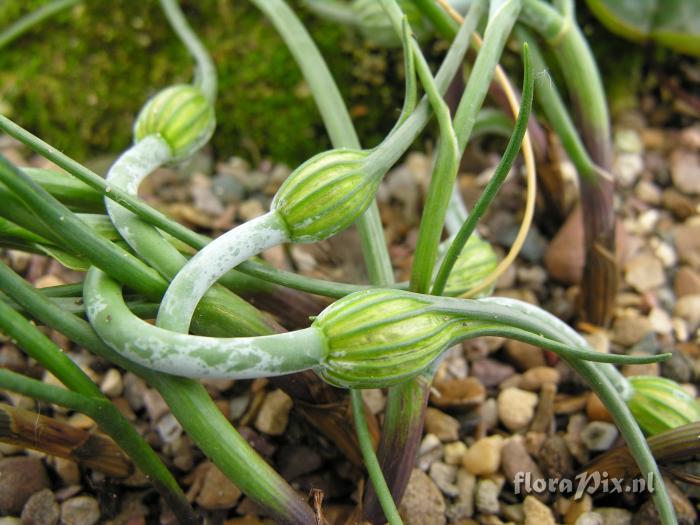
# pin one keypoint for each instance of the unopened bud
(181, 115)
(377, 338)
(659, 404)
(325, 195)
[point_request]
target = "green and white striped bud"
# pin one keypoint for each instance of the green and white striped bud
(181, 115)
(474, 264)
(659, 404)
(325, 195)
(377, 338)
(376, 26)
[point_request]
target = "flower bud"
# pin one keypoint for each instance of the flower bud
(659, 404)
(376, 26)
(473, 265)
(377, 338)
(181, 115)
(325, 195)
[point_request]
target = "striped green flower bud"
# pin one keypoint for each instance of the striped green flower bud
(376, 25)
(325, 195)
(659, 404)
(181, 115)
(377, 338)
(474, 264)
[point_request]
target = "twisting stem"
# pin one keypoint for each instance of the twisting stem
(494, 183)
(371, 463)
(206, 71)
(25, 23)
(338, 124)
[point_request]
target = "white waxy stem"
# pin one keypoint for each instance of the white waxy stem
(212, 262)
(191, 355)
(127, 173)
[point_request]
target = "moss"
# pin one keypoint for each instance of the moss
(79, 79)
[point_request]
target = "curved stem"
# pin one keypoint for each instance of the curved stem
(190, 404)
(206, 71)
(130, 169)
(489, 193)
(37, 16)
(338, 123)
(211, 263)
(190, 355)
(370, 458)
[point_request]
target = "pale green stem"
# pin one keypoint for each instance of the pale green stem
(371, 462)
(205, 77)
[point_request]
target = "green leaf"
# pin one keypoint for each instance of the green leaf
(68, 260)
(672, 23)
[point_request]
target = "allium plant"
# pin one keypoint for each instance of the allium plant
(382, 334)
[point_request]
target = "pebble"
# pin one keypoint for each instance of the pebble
(67, 470)
(444, 476)
(534, 378)
(523, 355)
(596, 410)
(155, 404)
(599, 435)
(41, 509)
(274, 413)
(295, 461)
(134, 390)
(445, 427)
(430, 450)
(578, 450)
(81, 510)
(681, 206)
(664, 252)
(374, 399)
(644, 272)
(217, 492)
(169, 428)
(422, 503)
(555, 458)
(630, 329)
(648, 192)
(204, 196)
(488, 413)
(688, 309)
(686, 282)
(515, 459)
(685, 166)
(459, 393)
(627, 167)
(486, 496)
(20, 477)
(589, 518)
(678, 368)
(660, 321)
(484, 456)
(238, 406)
(464, 506)
(578, 507)
(687, 240)
(536, 512)
(685, 510)
(615, 516)
(250, 209)
(491, 372)
(516, 408)
(454, 452)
